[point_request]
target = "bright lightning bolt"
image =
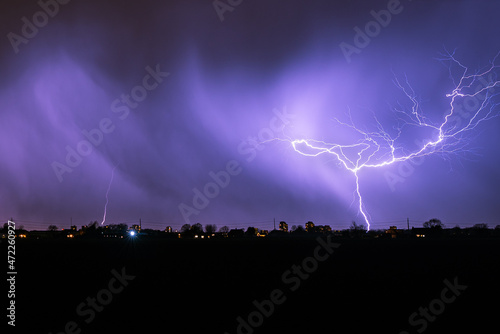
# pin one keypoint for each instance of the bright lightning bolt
(379, 149)
(107, 192)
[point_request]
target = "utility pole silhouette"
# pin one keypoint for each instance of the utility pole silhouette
(408, 222)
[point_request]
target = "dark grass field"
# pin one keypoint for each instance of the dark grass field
(203, 286)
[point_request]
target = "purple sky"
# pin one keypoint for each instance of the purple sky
(206, 91)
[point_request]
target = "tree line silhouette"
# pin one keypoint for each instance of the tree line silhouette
(431, 228)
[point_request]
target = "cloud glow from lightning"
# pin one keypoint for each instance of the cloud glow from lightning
(107, 192)
(378, 149)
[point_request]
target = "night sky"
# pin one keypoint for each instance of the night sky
(172, 93)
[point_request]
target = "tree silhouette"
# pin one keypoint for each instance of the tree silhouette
(480, 229)
(251, 231)
(197, 228)
(210, 228)
(119, 227)
(480, 226)
(356, 227)
(434, 223)
(456, 231)
(298, 229)
(224, 229)
(185, 228)
(52, 228)
(93, 225)
(357, 230)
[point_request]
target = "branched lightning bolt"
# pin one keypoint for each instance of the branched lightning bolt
(107, 192)
(378, 149)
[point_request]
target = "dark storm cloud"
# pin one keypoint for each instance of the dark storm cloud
(227, 81)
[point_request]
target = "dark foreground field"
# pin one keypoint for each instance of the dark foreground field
(204, 286)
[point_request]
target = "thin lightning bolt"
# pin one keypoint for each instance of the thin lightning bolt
(378, 149)
(107, 192)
